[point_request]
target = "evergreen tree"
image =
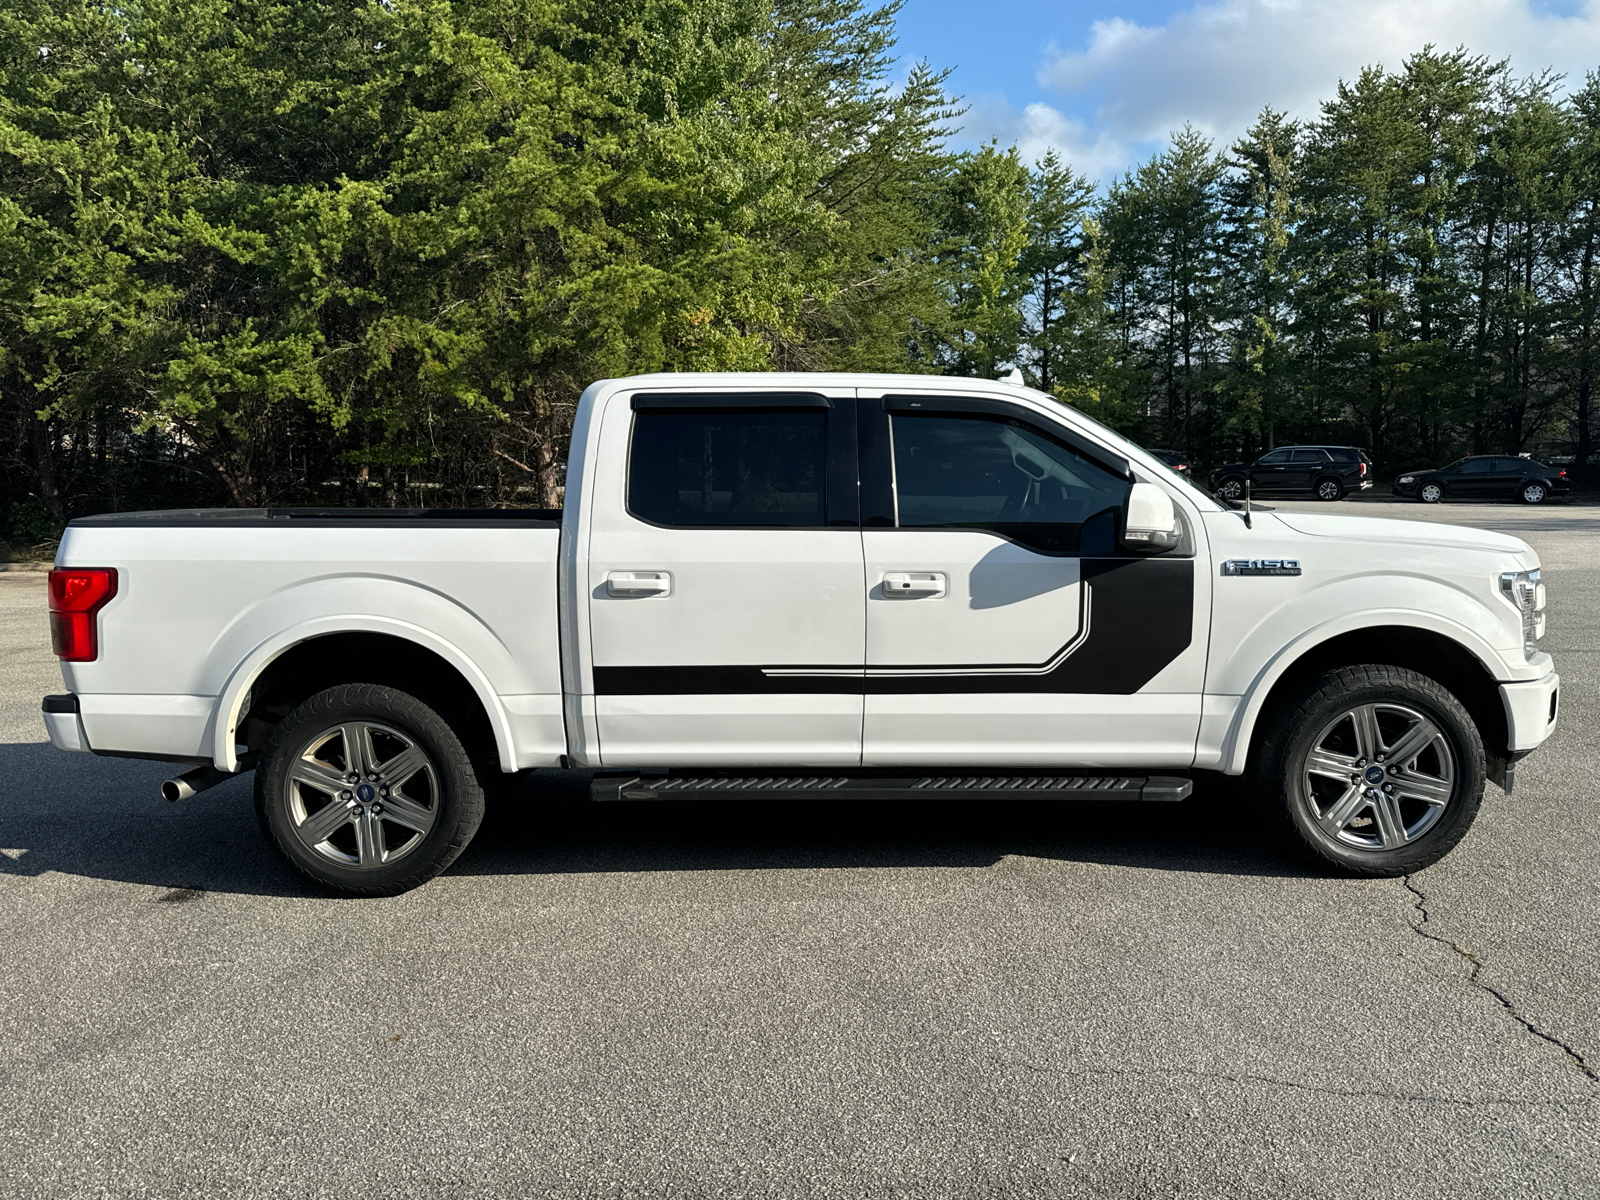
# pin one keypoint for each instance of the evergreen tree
(1053, 262)
(983, 235)
(1259, 213)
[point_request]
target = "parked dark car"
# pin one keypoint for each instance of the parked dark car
(1178, 462)
(1486, 477)
(1326, 472)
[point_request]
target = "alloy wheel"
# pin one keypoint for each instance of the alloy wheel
(1328, 489)
(362, 794)
(1533, 493)
(1379, 776)
(1431, 493)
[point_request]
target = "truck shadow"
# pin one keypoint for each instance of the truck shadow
(546, 824)
(102, 818)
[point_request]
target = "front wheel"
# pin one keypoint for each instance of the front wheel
(1329, 489)
(1534, 493)
(1430, 493)
(1231, 488)
(367, 791)
(1377, 770)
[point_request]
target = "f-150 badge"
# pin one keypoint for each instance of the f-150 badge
(1261, 566)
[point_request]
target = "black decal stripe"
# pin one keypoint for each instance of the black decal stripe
(1141, 619)
(717, 681)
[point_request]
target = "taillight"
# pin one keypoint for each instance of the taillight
(1363, 469)
(77, 594)
(1561, 474)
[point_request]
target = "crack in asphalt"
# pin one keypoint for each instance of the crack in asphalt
(1320, 1089)
(1421, 907)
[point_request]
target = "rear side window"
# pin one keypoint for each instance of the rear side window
(1307, 456)
(1478, 466)
(1342, 454)
(961, 472)
(758, 468)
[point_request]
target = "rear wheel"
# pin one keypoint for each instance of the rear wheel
(1377, 770)
(1231, 488)
(367, 791)
(1329, 489)
(1430, 493)
(1534, 492)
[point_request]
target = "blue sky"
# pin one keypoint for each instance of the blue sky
(1105, 81)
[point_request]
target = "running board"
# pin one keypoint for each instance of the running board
(668, 786)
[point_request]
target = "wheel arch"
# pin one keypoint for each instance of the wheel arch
(1443, 657)
(298, 663)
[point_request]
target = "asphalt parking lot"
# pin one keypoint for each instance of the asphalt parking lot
(702, 1001)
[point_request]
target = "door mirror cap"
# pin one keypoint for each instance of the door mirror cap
(1150, 523)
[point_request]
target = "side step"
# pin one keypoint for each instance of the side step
(669, 786)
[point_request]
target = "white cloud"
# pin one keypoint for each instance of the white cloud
(1038, 128)
(1215, 65)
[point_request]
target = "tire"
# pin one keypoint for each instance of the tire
(1329, 489)
(1336, 821)
(408, 819)
(1430, 493)
(1534, 491)
(1231, 488)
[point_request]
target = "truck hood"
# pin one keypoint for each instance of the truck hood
(1379, 529)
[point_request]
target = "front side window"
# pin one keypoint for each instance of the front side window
(964, 472)
(1276, 459)
(755, 468)
(1478, 466)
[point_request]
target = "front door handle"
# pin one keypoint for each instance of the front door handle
(914, 584)
(639, 583)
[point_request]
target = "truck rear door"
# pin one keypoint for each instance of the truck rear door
(725, 579)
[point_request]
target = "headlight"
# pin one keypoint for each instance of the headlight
(1526, 592)
(1408, 479)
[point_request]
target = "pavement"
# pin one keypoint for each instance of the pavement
(618, 1001)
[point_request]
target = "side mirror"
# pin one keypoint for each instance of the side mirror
(1149, 521)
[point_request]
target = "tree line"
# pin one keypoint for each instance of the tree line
(371, 251)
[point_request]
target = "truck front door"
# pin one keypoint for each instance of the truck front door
(1005, 626)
(725, 580)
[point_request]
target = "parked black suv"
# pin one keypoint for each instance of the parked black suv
(1326, 472)
(1178, 462)
(1485, 476)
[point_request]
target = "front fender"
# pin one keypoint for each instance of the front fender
(1235, 747)
(358, 604)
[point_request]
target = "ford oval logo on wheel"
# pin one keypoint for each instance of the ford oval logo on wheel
(1374, 776)
(365, 793)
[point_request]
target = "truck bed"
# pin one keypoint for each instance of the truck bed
(205, 596)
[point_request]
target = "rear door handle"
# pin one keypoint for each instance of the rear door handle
(923, 584)
(639, 583)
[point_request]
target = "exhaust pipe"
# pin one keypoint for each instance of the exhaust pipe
(191, 783)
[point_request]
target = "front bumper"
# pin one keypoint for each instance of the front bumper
(1531, 711)
(64, 723)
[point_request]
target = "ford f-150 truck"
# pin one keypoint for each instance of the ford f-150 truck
(780, 588)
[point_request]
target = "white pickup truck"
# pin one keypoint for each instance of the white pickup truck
(789, 587)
